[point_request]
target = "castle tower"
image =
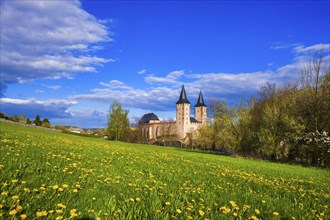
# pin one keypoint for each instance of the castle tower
(182, 114)
(200, 109)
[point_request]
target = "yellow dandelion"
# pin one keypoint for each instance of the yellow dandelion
(235, 214)
(59, 211)
(15, 197)
(23, 216)
(12, 212)
(55, 187)
(61, 206)
(75, 190)
(51, 211)
(23, 182)
(42, 188)
(4, 193)
(19, 208)
(60, 189)
(275, 213)
(1, 206)
(27, 190)
(41, 214)
(257, 211)
(178, 211)
(253, 217)
(73, 212)
(65, 186)
(59, 217)
(167, 203)
(138, 200)
(14, 181)
(201, 212)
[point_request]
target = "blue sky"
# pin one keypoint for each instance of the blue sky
(68, 60)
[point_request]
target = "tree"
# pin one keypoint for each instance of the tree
(313, 103)
(22, 118)
(37, 120)
(280, 126)
(118, 123)
(45, 123)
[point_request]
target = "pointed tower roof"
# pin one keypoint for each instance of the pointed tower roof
(183, 97)
(200, 101)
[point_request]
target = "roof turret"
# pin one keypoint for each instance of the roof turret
(183, 97)
(200, 101)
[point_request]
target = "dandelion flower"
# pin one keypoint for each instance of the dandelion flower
(178, 211)
(55, 187)
(14, 181)
(167, 203)
(15, 197)
(138, 199)
(19, 208)
(4, 193)
(257, 211)
(61, 206)
(12, 212)
(201, 212)
(275, 213)
(23, 216)
(41, 214)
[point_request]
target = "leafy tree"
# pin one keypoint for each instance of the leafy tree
(118, 123)
(37, 120)
(279, 127)
(15, 118)
(45, 123)
(22, 118)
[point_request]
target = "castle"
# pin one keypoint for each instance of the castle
(184, 125)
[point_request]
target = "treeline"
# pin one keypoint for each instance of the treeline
(23, 119)
(289, 122)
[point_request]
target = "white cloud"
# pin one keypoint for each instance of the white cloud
(162, 97)
(171, 78)
(48, 39)
(53, 87)
(85, 118)
(311, 49)
(51, 108)
(142, 72)
(159, 98)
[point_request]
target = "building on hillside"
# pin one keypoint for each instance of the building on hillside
(184, 125)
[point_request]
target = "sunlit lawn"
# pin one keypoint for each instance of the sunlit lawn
(46, 174)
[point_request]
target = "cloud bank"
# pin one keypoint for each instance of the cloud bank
(48, 39)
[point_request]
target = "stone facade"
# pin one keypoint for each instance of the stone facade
(153, 128)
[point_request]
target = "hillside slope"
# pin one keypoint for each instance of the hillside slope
(52, 175)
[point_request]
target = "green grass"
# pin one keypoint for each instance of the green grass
(62, 176)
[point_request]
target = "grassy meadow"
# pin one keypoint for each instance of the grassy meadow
(50, 175)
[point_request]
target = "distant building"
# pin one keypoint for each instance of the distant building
(184, 125)
(76, 130)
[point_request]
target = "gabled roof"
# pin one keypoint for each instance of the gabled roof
(148, 117)
(200, 101)
(183, 97)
